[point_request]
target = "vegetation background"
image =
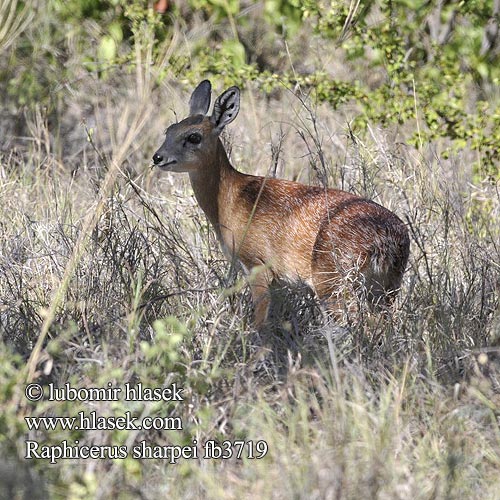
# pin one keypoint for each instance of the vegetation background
(109, 272)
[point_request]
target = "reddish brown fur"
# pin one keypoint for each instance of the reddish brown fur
(336, 242)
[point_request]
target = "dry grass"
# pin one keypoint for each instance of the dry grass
(113, 272)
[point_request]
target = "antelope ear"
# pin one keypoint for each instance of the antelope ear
(226, 108)
(200, 99)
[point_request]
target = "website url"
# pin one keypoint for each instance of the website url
(93, 422)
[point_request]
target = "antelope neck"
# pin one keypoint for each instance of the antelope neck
(206, 183)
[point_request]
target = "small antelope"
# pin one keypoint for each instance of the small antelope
(336, 242)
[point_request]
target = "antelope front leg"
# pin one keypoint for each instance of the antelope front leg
(259, 286)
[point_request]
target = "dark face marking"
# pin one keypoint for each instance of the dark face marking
(187, 122)
(192, 120)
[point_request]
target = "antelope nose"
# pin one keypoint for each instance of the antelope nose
(157, 158)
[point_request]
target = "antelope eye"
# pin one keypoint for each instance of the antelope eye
(194, 138)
